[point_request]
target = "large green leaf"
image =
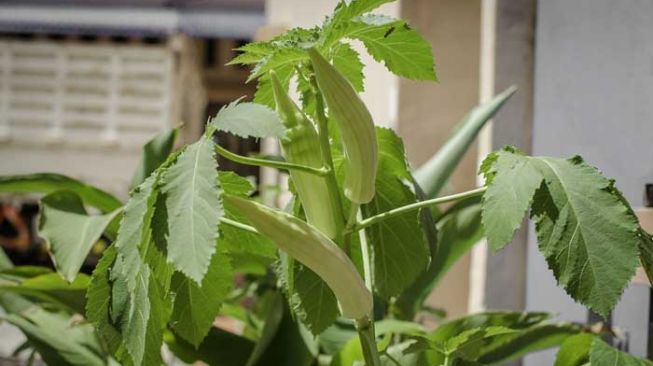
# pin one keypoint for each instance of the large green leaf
(69, 232)
(398, 250)
(248, 120)
(46, 183)
(585, 229)
(646, 254)
(50, 288)
(196, 307)
(434, 174)
(601, 354)
(192, 198)
(155, 153)
(57, 339)
(394, 43)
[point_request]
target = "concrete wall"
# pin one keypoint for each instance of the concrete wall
(593, 94)
(428, 111)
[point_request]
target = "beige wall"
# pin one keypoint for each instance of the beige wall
(428, 111)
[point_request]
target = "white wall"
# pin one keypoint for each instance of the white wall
(593, 97)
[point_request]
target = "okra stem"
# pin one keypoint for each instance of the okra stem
(322, 172)
(416, 206)
(365, 329)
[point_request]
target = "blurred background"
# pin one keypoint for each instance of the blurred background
(84, 84)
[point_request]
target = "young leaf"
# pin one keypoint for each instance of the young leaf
(47, 183)
(196, 307)
(248, 120)
(69, 231)
(155, 152)
(192, 198)
(283, 63)
(348, 10)
(435, 173)
(601, 354)
(394, 43)
(398, 249)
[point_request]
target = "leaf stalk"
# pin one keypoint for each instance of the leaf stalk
(322, 172)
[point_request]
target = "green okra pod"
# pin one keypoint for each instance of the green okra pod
(301, 145)
(356, 127)
(312, 248)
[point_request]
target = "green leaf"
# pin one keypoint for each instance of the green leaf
(192, 198)
(155, 152)
(235, 185)
(601, 354)
(252, 53)
(57, 339)
(458, 230)
(468, 344)
(196, 307)
(575, 350)
(69, 232)
(47, 183)
(398, 249)
(99, 299)
(51, 288)
(508, 197)
(586, 231)
(219, 348)
(310, 298)
(283, 62)
(5, 262)
(434, 174)
(347, 61)
(248, 120)
(354, 8)
(646, 253)
(394, 43)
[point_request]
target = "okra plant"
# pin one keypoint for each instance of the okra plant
(338, 275)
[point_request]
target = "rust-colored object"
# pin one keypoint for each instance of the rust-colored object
(21, 241)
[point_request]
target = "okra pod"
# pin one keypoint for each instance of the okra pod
(301, 145)
(312, 248)
(356, 127)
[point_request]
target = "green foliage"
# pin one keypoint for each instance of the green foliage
(46, 287)
(192, 198)
(248, 120)
(585, 230)
(587, 349)
(69, 231)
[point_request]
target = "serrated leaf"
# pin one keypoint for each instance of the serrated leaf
(434, 174)
(586, 231)
(69, 231)
(46, 183)
(646, 254)
(192, 198)
(155, 152)
(508, 197)
(196, 307)
(601, 354)
(398, 250)
(252, 53)
(395, 44)
(235, 185)
(248, 120)
(347, 61)
(283, 62)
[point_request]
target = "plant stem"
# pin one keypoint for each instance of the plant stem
(367, 338)
(322, 172)
(238, 225)
(351, 221)
(416, 206)
(327, 159)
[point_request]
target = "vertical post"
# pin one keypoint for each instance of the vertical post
(5, 70)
